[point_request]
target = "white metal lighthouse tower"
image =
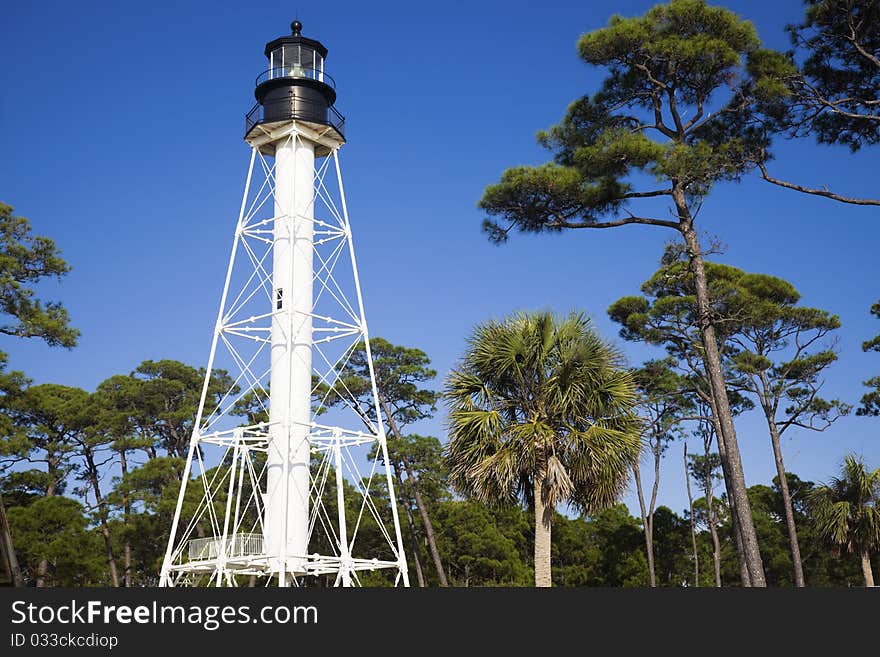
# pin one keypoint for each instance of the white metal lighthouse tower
(287, 479)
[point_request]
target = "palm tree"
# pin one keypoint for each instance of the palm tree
(541, 411)
(847, 514)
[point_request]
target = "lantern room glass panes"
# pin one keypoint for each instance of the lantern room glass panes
(296, 60)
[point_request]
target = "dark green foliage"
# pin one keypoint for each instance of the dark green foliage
(25, 260)
(822, 566)
(847, 510)
(780, 349)
(423, 455)
(773, 539)
(482, 546)
(676, 61)
(399, 372)
(415, 460)
(55, 529)
(704, 468)
(612, 546)
(762, 331)
(663, 400)
(666, 315)
(11, 385)
(825, 88)
(672, 548)
(834, 97)
(164, 399)
(47, 420)
(871, 399)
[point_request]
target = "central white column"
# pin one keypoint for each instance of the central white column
(287, 481)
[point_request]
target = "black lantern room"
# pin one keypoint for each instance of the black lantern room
(295, 85)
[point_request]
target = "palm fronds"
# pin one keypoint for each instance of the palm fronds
(538, 395)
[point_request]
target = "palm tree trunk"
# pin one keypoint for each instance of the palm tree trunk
(649, 534)
(734, 478)
(866, 569)
(543, 516)
(687, 479)
(7, 548)
(796, 562)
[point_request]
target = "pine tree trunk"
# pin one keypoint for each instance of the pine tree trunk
(7, 569)
(126, 518)
(42, 570)
(7, 547)
(92, 473)
(710, 508)
(428, 526)
(43, 566)
(796, 562)
(543, 518)
(866, 569)
(713, 531)
(716, 548)
(414, 548)
(420, 504)
(413, 542)
(687, 479)
(745, 579)
(734, 478)
(649, 533)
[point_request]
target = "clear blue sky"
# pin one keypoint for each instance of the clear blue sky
(122, 139)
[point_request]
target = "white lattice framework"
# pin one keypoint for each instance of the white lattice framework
(217, 532)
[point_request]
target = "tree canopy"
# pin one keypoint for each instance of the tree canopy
(25, 259)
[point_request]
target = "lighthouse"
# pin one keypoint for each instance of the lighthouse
(285, 484)
(292, 89)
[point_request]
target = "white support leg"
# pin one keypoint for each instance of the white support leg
(344, 555)
(222, 575)
(165, 576)
(380, 425)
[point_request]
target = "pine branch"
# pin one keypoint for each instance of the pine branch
(816, 192)
(564, 223)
